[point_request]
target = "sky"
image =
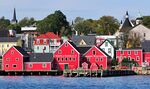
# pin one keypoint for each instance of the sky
(88, 9)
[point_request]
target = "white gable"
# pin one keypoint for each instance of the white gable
(108, 48)
(142, 31)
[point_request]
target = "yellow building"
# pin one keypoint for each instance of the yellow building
(7, 42)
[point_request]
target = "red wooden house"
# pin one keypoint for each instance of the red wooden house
(39, 62)
(66, 57)
(132, 54)
(13, 59)
(95, 59)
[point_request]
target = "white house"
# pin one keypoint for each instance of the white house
(141, 31)
(108, 48)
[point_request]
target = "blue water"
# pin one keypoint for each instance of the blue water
(47, 82)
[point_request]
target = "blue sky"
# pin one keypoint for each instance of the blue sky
(93, 9)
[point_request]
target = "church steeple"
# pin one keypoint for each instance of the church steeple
(14, 20)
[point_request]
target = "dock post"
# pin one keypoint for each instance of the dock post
(47, 73)
(39, 73)
(101, 73)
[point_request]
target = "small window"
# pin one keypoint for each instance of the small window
(129, 52)
(106, 44)
(72, 51)
(135, 52)
(70, 59)
(101, 59)
(109, 50)
(94, 53)
(144, 34)
(6, 65)
(7, 45)
(37, 47)
(30, 65)
(17, 59)
(96, 59)
(137, 58)
(14, 65)
(74, 59)
(66, 58)
(66, 44)
(12, 52)
(103, 49)
(62, 58)
(44, 65)
(7, 59)
(59, 52)
(58, 59)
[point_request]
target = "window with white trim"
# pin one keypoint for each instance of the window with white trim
(12, 52)
(30, 65)
(7, 59)
(94, 52)
(129, 52)
(14, 65)
(109, 50)
(17, 59)
(72, 51)
(59, 51)
(44, 41)
(6, 65)
(44, 65)
(137, 58)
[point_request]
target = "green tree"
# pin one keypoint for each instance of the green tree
(4, 23)
(15, 27)
(108, 24)
(56, 22)
(26, 22)
(146, 21)
(114, 62)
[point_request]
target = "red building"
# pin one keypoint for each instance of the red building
(13, 59)
(147, 58)
(132, 54)
(95, 59)
(39, 62)
(66, 57)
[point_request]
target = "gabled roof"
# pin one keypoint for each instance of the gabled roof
(74, 45)
(89, 40)
(127, 25)
(141, 28)
(108, 42)
(41, 57)
(22, 51)
(99, 50)
(9, 39)
(146, 45)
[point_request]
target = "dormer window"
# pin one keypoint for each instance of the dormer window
(144, 34)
